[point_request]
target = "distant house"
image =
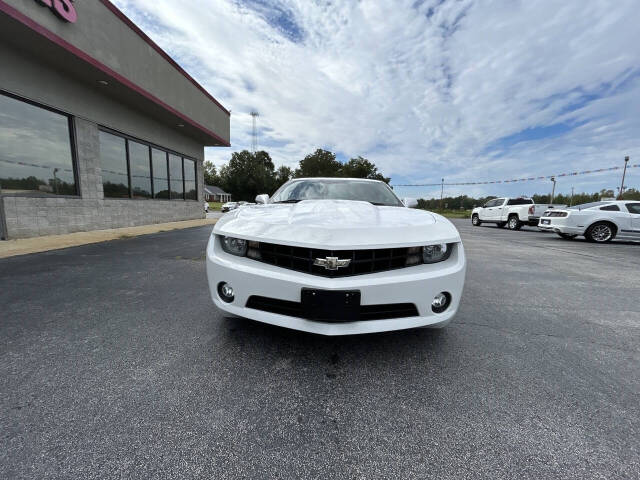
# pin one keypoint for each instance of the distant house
(216, 194)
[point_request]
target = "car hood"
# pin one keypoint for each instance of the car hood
(337, 224)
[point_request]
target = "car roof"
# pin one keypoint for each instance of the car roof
(338, 179)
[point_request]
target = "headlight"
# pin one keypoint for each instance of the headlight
(234, 246)
(429, 253)
(435, 253)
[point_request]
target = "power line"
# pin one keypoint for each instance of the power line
(526, 179)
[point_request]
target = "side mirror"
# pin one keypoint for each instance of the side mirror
(263, 198)
(410, 202)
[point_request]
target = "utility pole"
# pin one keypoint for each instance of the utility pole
(571, 202)
(254, 132)
(553, 192)
(441, 193)
(55, 180)
(624, 172)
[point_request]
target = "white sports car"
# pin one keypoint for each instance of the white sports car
(336, 257)
(598, 221)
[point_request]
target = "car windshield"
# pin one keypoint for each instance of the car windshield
(584, 206)
(377, 193)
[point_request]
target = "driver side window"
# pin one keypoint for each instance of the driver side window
(633, 208)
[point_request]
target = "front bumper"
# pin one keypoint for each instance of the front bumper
(417, 285)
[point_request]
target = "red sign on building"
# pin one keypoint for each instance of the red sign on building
(62, 8)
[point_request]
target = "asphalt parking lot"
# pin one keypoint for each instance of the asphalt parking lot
(115, 364)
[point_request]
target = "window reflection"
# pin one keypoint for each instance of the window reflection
(122, 175)
(139, 163)
(160, 177)
(190, 191)
(175, 176)
(113, 159)
(35, 150)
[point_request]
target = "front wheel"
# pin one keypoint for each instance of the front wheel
(601, 232)
(475, 220)
(513, 223)
(567, 236)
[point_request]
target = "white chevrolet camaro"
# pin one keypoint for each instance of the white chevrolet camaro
(336, 257)
(597, 221)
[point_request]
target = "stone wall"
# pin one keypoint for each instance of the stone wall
(35, 216)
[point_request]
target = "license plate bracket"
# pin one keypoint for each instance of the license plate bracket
(331, 305)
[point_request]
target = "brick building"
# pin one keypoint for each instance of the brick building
(99, 127)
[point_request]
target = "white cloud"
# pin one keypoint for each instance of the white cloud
(424, 89)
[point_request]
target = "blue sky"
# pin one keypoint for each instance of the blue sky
(461, 89)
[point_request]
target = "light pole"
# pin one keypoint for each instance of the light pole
(441, 193)
(553, 192)
(3, 225)
(624, 172)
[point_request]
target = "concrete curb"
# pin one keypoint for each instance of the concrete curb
(24, 246)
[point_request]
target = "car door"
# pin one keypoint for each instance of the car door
(485, 212)
(634, 212)
(496, 210)
(500, 210)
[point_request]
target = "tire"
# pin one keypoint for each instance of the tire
(600, 232)
(501, 224)
(567, 236)
(475, 220)
(514, 223)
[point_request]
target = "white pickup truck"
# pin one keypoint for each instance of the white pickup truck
(512, 212)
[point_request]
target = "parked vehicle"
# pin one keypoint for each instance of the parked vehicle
(227, 207)
(336, 257)
(512, 212)
(598, 221)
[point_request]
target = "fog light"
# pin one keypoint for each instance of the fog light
(225, 292)
(440, 302)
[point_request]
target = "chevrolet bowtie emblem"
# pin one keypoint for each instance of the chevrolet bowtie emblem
(332, 263)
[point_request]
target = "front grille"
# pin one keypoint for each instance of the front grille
(362, 261)
(555, 214)
(367, 312)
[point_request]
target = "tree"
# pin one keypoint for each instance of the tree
(283, 175)
(362, 168)
(248, 174)
(211, 176)
(321, 163)
(631, 194)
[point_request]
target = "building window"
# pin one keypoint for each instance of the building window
(36, 150)
(175, 177)
(139, 164)
(134, 169)
(160, 176)
(190, 178)
(113, 159)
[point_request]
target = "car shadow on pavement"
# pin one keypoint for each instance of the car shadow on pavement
(330, 352)
(247, 326)
(584, 241)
